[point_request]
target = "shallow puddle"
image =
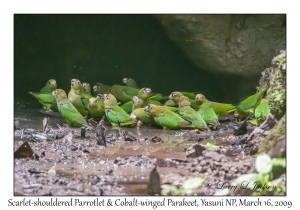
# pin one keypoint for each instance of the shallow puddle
(125, 163)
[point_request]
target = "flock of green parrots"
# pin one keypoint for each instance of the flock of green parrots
(125, 105)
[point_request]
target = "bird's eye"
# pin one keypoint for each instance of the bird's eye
(99, 87)
(112, 91)
(129, 80)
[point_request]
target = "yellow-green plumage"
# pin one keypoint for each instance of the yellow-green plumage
(96, 107)
(143, 116)
(123, 93)
(262, 110)
(49, 86)
(248, 105)
(175, 96)
(100, 88)
(76, 98)
(209, 116)
(189, 114)
(116, 114)
(166, 118)
(86, 91)
(130, 82)
(67, 109)
(45, 96)
(219, 108)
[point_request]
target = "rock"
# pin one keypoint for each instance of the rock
(228, 44)
(275, 134)
(276, 93)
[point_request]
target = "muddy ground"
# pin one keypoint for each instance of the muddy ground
(66, 164)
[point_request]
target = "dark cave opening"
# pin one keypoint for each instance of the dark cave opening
(105, 48)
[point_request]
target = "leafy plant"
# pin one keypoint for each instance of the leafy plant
(187, 187)
(259, 182)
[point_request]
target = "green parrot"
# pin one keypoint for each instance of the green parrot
(170, 102)
(100, 88)
(189, 114)
(123, 93)
(47, 100)
(86, 91)
(130, 82)
(166, 118)
(209, 116)
(45, 96)
(189, 95)
(116, 114)
(67, 109)
(219, 108)
(141, 100)
(143, 116)
(175, 96)
(76, 98)
(96, 107)
(248, 105)
(49, 86)
(127, 107)
(262, 110)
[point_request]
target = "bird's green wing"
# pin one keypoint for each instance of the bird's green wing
(127, 107)
(250, 102)
(131, 91)
(116, 114)
(70, 113)
(262, 110)
(85, 103)
(189, 95)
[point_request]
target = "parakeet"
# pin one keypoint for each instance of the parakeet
(219, 108)
(175, 97)
(45, 96)
(76, 98)
(262, 110)
(248, 105)
(96, 107)
(189, 95)
(127, 107)
(49, 86)
(67, 110)
(114, 113)
(166, 118)
(189, 114)
(209, 116)
(123, 93)
(143, 116)
(130, 82)
(100, 88)
(86, 91)
(170, 102)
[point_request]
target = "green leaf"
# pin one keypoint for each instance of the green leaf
(222, 192)
(192, 183)
(263, 164)
(279, 162)
(209, 145)
(166, 189)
